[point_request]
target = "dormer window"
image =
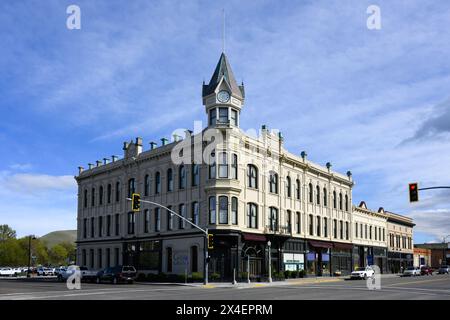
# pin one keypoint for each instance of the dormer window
(223, 115)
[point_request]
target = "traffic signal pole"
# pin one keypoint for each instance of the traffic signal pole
(414, 189)
(205, 231)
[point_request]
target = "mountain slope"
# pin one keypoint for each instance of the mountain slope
(59, 236)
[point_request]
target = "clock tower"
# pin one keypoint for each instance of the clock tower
(223, 98)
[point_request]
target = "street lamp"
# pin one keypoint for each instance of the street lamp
(29, 254)
(444, 247)
(270, 261)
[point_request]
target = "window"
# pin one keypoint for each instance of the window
(340, 201)
(223, 165)
(195, 213)
(346, 202)
(169, 179)
(99, 257)
(223, 210)
(356, 229)
(131, 221)
(376, 236)
(117, 224)
(85, 228)
(92, 227)
(273, 182)
(252, 175)
(318, 194)
(370, 232)
(334, 200)
(297, 191)
(109, 193)
(212, 166)
(182, 177)
(223, 115)
(108, 257)
(116, 256)
(288, 220)
(310, 225)
(157, 219)
(194, 259)
(108, 225)
(117, 191)
(169, 218)
(325, 197)
(93, 197)
(234, 117)
(365, 231)
(182, 212)
(234, 210)
(157, 182)
(169, 259)
(298, 222)
(146, 185)
(212, 210)
(288, 186)
(83, 258)
(252, 216)
(361, 230)
(335, 228)
(234, 166)
(100, 195)
(85, 198)
(131, 187)
(347, 231)
(91, 257)
(383, 235)
(310, 192)
(212, 116)
(195, 175)
(273, 219)
(325, 227)
(146, 220)
(341, 229)
(318, 226)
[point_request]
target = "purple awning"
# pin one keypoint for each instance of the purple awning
(320, 244)
(254, 237)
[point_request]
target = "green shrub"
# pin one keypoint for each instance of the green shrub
(141, 277)
(151, 277)
(301, 274)
(214, 276)
(243, 275)
(196, 276)
(161, 277)
(287, 274)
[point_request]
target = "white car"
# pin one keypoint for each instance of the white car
(362, 273)
(6, 272)
(411, 272)
(43, 271)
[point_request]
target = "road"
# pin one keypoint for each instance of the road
(436, 287)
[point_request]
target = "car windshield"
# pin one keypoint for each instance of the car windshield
(360, 269)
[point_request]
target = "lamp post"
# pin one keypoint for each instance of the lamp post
(29, 254)
(444, 251)
(270, 261)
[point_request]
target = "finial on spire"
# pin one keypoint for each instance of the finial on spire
(223, 30)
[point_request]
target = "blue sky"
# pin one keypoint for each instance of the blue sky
(376, 102)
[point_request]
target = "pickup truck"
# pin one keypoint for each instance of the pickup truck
(88, 275)
(85, 273)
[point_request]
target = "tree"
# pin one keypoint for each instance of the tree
(11, 253)
(57, 255)
(71, 250)
(6, 232)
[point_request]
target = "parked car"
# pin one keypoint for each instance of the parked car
(362, 273)
(425, 270)
(43, 271)
(411, 271)
(117, 274)
(6, 272)
(88, 275)
(443, 269)
(64, 274)
(60, 269)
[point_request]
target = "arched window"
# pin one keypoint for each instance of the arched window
(223, 165)
(288, 186)
(195, 212)
(325, 227)
(334, 200)
(273, 219)
(109, 193)
(252, 174)
(157, 182)
(311, 225)
(347, 231)
(182, 177)
(356, 229)
(252, 215)
(212, 165)
(346, 202)
(318, 226)
(340, 201)
(318, 194)
(131, 187)
(297, 191)
(310, 193)
(341, 229)
(234, 166)
(234, 210)
(146, 185)
(195, 175)
(299, 223)
(169, 179)
(100, 195)
(169, 218)
(223, 210)
(93, 197)
(325, 197)
(85, 198)
(335, 228)
(273, 182)
(212, 210)
(182, 212)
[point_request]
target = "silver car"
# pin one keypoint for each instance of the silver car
(443, 270)
(412, 271)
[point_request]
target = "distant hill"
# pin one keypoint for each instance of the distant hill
(56, 237)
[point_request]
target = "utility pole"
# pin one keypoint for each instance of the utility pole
(29, 254)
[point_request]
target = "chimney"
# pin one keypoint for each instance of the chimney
(280, 136)
(176, 138)
(80, 170)
(105, 160)
(152, 145)
(114, 158)
(125, 145)
(328, 166)
(99, 163)
(349, 175)
(164, 141)
(304, 155)
(90, 165)
(138, 145)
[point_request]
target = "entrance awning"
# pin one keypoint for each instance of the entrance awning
(254, 237)
(343, 246)
(320, 244)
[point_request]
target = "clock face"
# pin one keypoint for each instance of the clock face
(223, 96)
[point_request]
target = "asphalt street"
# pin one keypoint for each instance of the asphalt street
(436, 287)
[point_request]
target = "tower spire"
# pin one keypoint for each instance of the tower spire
(223, 30)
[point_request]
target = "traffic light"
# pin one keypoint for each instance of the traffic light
(210, 241)
(136, 201)
(413, 192)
